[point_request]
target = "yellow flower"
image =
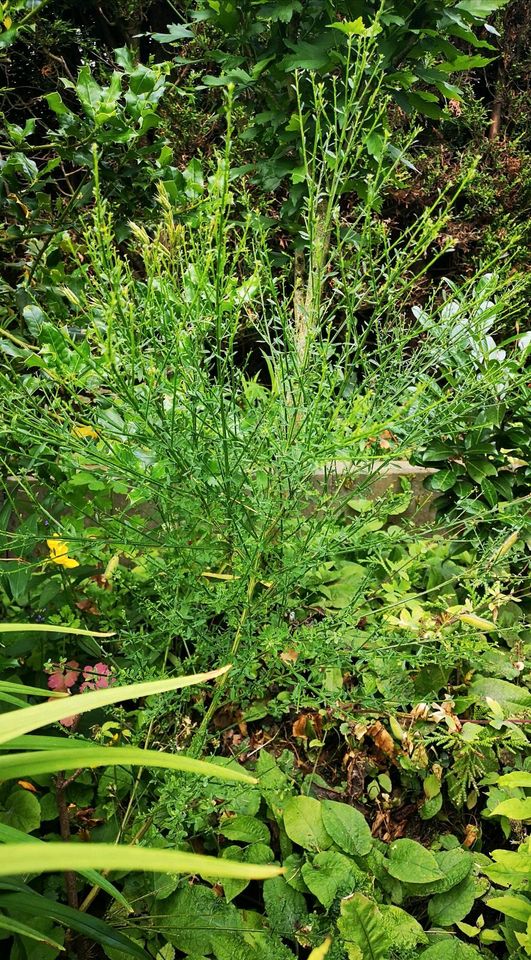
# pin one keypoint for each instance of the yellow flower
(59, 554)
(84, 431)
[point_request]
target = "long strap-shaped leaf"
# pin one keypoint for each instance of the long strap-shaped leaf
(12, 835)
(94, 929)
(34, 764)
(15, 858)
(32, 741)
(52, 628)
(9, 686)
(17, 722)
(22, 929)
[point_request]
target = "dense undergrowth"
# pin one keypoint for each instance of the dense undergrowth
(207, 371)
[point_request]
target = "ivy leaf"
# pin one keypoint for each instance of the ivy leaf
(360, 926)
(22, 811)
(411, 862)
(303, 822)
(176, 31)
(347, 827)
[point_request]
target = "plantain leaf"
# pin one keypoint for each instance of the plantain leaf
(361, 927)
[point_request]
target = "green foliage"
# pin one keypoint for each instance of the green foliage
(258, 51)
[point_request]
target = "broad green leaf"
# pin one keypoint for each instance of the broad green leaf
(107, 856)
(515, 906)
(360, 925)
(411, 862)
(508, 695)
(450, 949)
(329, 874)
(303, 822)
(285, 907)
(294, 864)
(404, 932)
(254, 853)
(518, 778)
(481, 8)
(23, 930)
(11, 835)
(34, 764)
(18, 722)
(347, 827)
(243, 828)
(514, 809)
(453, 905)
(22, 811)
(454, 865)
(52, 628)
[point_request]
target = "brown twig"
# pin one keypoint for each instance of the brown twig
(64, 827)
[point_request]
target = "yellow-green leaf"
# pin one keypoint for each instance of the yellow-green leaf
(34, 764)
(52, 628)
(16, 858)
(18, 722)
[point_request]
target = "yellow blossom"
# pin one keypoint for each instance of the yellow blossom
(84, 431)
(59, 554)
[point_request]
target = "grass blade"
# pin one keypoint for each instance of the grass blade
(12, 835)
(34, 764)
(52, 628)
(18, 722)
(14, 859)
